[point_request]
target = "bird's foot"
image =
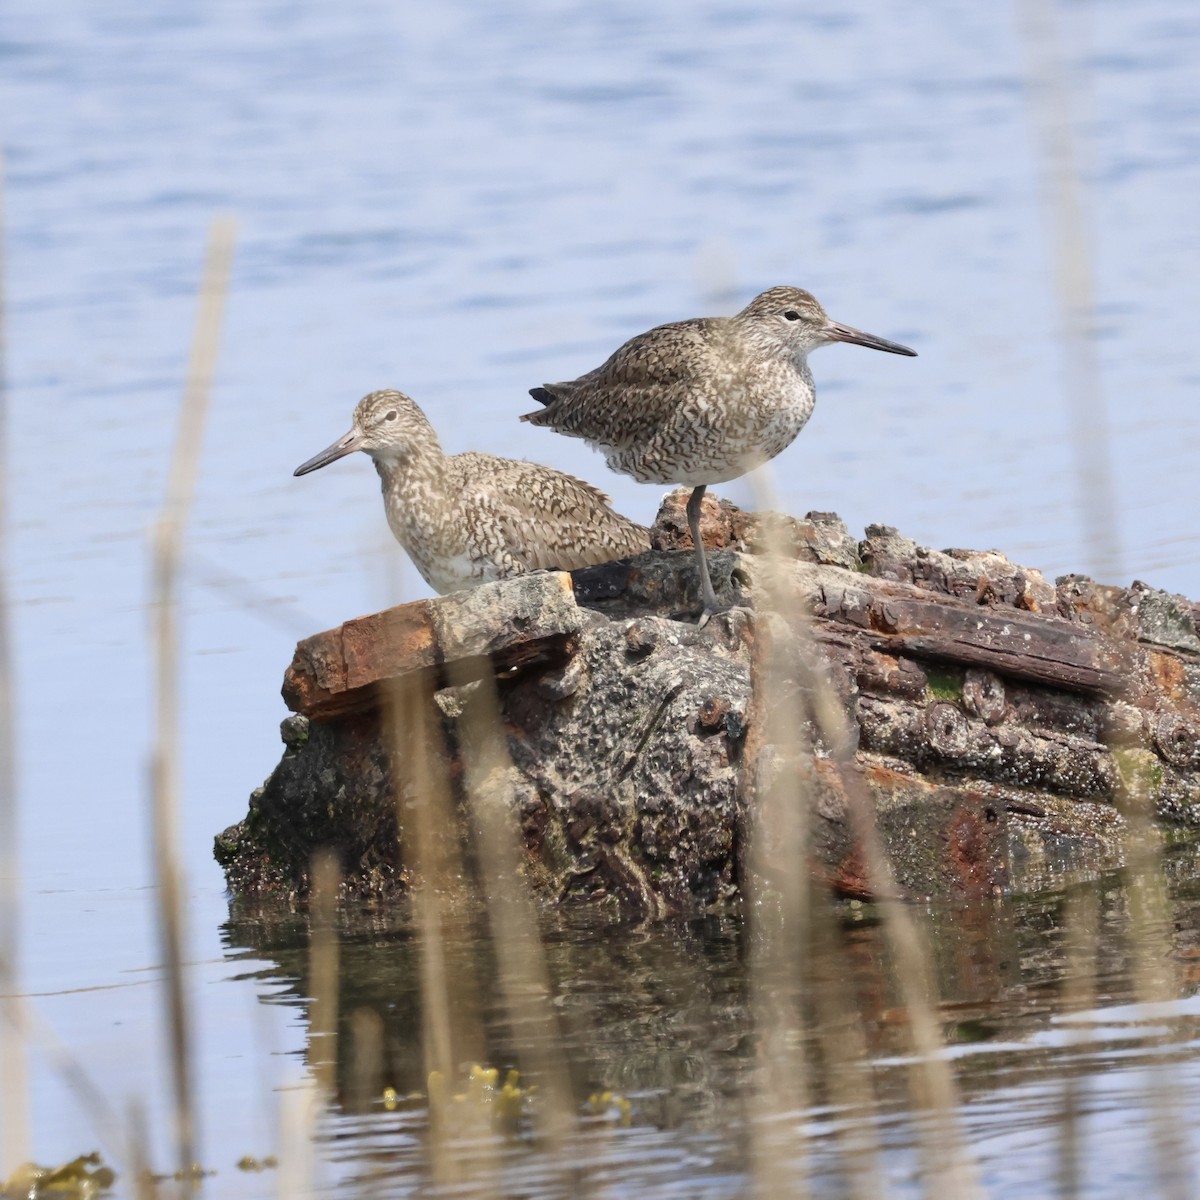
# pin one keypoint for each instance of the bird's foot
(711, 607)
(721, 610)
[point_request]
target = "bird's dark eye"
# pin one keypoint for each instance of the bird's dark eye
(392, 415)
(791, 315)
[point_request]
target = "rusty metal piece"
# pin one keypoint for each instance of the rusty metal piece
(967, 846)
(987, 592)
(849, 878)
(983, 695)
(713, 712)
(1025, 646)
(1177, 741)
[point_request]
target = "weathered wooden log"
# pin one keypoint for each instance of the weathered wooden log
(994, 724)
(338, 673)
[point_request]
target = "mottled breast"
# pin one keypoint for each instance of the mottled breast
(718, 433)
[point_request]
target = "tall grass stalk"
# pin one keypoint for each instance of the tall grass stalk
(1065, 219)
(451, 1029)
(15, 1140)
(778, 903)
(946, 1163)
(168, 538)
(144, 1187)
(323, 972)
(793, 925)
(1081, 926)
(299, 1114)
(1155, 984)
(520, 959)
(1065, 216)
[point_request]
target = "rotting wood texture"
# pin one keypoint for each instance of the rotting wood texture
(994, 723)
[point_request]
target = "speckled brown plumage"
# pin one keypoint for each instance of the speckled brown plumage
(466, 519)
(702, 401)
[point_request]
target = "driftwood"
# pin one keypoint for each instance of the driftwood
(996, 726)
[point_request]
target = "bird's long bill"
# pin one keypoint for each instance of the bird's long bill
(835, 331)
(343, 446)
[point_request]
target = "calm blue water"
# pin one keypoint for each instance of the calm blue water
(463, 202)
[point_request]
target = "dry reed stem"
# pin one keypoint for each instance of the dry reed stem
(364, 1087)
(142, 1178)
(428, 808)
(779, 918)
(168, 549)
(323, 972)
(15, 1140)
(299, 1113)
(366, 1058)
(1064, 209)
(1081, 924)
(947, 1163)
(947, 1166)
(1065, 213)
(844, 1049)
(1065, 218)
(451, 1028)
(521, 963)
(780, 835)
(1155, 984)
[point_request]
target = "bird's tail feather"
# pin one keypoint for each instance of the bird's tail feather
(542, 396)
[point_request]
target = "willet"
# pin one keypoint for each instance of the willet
(466, 519)
(703, 401)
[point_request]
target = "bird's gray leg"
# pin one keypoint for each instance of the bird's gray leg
(695, 500)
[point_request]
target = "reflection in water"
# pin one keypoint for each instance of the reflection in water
(660, 1014)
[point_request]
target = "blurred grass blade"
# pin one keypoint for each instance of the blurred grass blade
(168, 549)
(1156, 984)
(323, 972)
(1065, 219)
(947, 1166)
(451, 1028)
(14, 1070)
(519, 954)
(1081, 920)
(299, 1112)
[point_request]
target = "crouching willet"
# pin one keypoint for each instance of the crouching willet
(466, 519)
(702, 401)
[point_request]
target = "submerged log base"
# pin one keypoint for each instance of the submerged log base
(991, 726)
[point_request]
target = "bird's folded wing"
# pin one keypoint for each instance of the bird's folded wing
(640, 386)
(549, 520)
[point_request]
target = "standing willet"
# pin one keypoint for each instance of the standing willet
(467, 519)
(702, 401)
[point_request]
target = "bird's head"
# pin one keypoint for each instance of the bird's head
(793, 320)
(387, 425)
